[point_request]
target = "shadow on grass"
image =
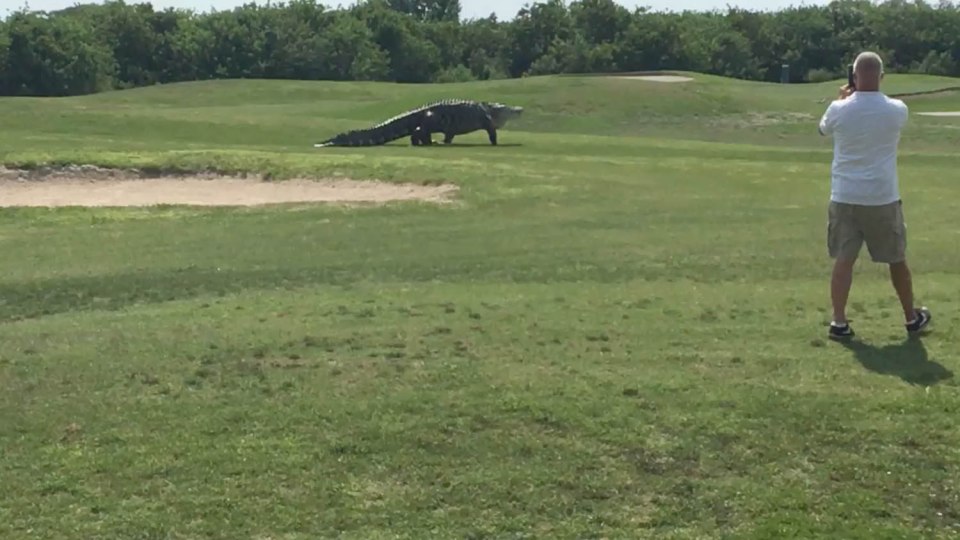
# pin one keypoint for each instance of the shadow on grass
(426, 148)
(440, 144)
(908, 360)
(29, 299)
(117, 291)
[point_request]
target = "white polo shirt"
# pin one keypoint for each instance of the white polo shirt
(866, 131)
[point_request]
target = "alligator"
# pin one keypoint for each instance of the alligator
(451, 117)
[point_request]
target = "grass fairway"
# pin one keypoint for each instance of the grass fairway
(618, 331)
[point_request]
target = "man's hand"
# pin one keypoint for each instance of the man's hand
(845, 91)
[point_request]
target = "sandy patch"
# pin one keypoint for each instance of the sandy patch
(752, 119)
(92, 186)
(943, 113)
(657, 78)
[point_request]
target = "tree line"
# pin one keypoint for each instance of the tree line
(96, 47)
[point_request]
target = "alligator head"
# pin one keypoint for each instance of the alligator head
(500, 113)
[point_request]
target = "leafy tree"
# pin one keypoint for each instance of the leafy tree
(93, 47)
(535, 30)
(5, 86)
(239, 42)
(54, 56)
(349, 52)
(599, 21)
(486, 48)
(428, 10)
(189, 52)
(651, 42)
(413, 58)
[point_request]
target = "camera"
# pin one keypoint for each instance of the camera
(850, 82)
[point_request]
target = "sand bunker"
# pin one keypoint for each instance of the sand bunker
(657, 78)
(944, 113)
(92, 186)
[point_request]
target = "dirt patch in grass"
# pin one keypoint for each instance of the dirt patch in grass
(85, 185)
(657, 78)
(759, 119)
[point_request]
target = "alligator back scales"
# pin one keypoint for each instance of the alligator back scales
(450, 116)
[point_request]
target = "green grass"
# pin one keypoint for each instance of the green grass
(617, 333)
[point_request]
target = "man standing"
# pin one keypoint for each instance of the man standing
(865, 203)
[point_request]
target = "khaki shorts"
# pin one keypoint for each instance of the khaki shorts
(881, 227)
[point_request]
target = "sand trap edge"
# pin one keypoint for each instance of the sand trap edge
(90, 186)
(656, 78)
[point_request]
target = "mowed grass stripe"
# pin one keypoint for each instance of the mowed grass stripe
(425, 389)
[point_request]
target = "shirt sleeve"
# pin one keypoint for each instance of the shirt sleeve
(829, 120)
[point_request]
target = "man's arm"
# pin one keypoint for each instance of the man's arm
(828, 120)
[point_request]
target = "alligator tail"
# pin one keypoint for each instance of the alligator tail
(390, 130)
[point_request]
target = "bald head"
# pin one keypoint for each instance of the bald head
(867, 71)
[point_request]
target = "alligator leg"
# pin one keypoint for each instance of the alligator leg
(448, 138)
(491, 130)
(423, 133)
(420, 137)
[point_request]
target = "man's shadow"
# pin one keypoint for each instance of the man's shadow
(907, 360)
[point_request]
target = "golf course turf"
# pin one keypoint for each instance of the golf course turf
(614, 326)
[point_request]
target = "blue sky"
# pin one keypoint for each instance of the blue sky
(505, 9)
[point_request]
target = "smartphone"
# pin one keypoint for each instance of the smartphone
(850, 77)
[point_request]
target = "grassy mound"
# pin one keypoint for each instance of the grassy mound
(284, 116)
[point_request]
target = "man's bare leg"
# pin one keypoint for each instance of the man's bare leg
(917, 319)
(903, 284)
(840, 284)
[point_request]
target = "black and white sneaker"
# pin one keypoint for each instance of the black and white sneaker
(841, 331)
(919, 322)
